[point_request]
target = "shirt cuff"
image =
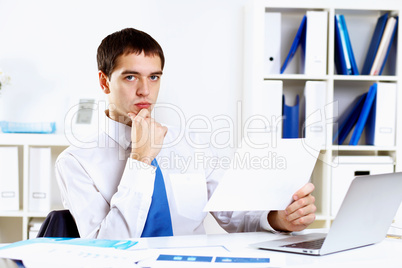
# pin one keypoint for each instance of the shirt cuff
(264, 222)
(266, 226)
(138, 175)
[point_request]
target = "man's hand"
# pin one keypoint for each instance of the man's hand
(147, 136)
(298, 215)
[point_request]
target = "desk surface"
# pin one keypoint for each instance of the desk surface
(388, 253)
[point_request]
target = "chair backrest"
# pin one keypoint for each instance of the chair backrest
(59, 223)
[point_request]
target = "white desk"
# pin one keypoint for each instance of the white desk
(388, 253)
(385, 254)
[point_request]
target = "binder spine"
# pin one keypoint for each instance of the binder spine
(291, 119)
(272, 59)
(299, 39)
(364, 115)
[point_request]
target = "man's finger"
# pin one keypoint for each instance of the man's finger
(142, 114)
(302, 212)
(304, 221)
(131, 116)
(304, 191)
(303, 202)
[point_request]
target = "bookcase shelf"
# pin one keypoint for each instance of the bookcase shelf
(14, 224)
(373, 78)
(341, 90)
(18, 213)
(300, 77)
(366, 148)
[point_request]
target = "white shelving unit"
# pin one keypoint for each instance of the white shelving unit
(361, 21)
(14, 225)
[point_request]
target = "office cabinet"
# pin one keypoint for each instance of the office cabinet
(14, 223)
(346, 168)
(340, 90)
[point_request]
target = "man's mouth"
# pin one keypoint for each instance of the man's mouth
(143, 105)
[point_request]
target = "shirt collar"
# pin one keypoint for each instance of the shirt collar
(120, 133)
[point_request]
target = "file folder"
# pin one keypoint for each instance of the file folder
(9, 179)
(344, 58)
(348, 119)
(380, 128)
(299, 40)
(290, 119)
(389, 46)
(384, 47)
(314, 102)
(316, 43)
(267, 118)
(374, 44)
(273, 91)
(368, 103)
(349, 47)
(342, 61)
(272, 59)
(39, 179)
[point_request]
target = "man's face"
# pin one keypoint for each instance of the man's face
(133, 85)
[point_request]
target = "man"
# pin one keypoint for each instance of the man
(117, 190)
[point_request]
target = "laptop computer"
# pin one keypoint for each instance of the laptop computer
(363, 219)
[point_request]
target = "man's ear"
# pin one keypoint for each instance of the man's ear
(103, 82)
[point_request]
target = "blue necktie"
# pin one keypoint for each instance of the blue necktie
(158, 222)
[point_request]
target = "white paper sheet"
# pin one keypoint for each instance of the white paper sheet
(264, 174)
(48, 252)
(211, 257)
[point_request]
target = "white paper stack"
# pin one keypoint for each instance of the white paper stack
(9, 179)
(39, 179)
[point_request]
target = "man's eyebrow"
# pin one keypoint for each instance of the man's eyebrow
(158, 72)
(135, 72)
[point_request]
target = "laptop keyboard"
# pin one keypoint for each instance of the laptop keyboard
(313, 244)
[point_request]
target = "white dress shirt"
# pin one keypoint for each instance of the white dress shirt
(109, 194)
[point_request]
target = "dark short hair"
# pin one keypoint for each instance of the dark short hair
(125, 42)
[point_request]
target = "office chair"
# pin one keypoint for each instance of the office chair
(59, 223)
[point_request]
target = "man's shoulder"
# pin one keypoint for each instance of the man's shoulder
(82, 145)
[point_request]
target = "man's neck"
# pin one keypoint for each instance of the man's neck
(118, 118)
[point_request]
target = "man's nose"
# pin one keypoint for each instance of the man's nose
(143, 87)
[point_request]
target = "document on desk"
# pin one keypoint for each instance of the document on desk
(211, 257)
(77, 252)
(264, 174)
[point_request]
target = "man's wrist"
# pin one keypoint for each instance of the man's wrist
(274, 220)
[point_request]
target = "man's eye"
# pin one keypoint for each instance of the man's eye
(130, 78)
(154, 77)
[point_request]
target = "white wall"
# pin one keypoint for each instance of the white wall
(49, 49)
